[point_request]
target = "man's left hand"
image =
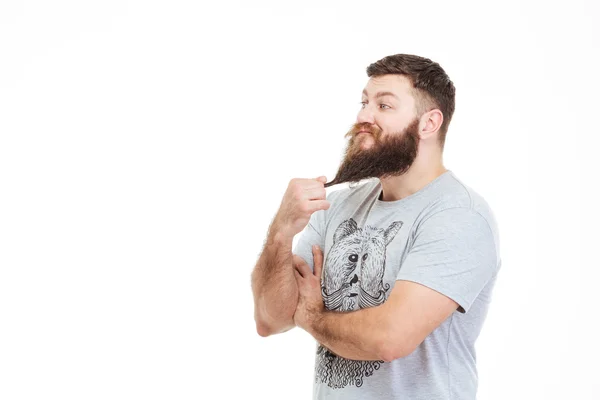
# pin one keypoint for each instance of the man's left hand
(310, 301)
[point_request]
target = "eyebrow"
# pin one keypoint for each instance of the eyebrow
(380, 94)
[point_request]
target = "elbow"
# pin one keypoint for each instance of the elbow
(270, 323)
(267, 326)
(388, 352)
(392, 351)
(263, 329)
(393, 347)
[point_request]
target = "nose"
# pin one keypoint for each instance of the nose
(365, 115)
(354, 280)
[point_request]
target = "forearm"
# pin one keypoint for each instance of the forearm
(356, 335)
(274, 286)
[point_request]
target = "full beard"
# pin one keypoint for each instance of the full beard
(389, 155)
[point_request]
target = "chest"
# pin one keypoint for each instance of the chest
(362, 258)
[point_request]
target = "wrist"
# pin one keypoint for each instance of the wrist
(279, 234)
(314, 322)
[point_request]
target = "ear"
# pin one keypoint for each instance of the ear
(432, 122)
(346, 228)
(391, 231)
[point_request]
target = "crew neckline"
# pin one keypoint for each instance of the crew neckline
(378, 188)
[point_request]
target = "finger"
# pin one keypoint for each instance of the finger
(318, 260)
(322, 179)
(316, 205)
(297, 260)
(298, 278)
(318, 193)
(312, 183)
(304, 269)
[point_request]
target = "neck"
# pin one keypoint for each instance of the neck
(418, 176)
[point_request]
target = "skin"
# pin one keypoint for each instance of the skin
(386, 332)
(391, 120)
(412, 311)
(274, 288)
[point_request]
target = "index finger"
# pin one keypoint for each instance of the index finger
(313, 183)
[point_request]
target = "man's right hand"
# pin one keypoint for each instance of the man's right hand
(301, 199)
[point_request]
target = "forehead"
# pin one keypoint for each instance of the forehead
(397, 84)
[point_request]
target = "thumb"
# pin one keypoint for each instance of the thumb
(317, 260)
(322, 178)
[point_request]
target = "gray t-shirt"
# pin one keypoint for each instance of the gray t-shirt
(444, 237)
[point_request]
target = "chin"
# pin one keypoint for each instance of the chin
(367, 142)
(365, 145)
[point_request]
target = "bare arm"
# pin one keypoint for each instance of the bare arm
(356, 335)
(274, 285)
(385, 332)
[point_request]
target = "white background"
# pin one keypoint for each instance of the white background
(145, 147)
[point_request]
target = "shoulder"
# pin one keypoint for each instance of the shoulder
(463, 231)
(459, 232)
(479, 208)
(460, 214)
(457, 201)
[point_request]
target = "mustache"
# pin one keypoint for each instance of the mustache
(365, 126)
(366, 300)
(334, 300)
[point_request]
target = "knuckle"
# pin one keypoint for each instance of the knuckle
(294, 185)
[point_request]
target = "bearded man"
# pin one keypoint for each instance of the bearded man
(393, 277)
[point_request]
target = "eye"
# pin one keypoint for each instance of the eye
(353, 258)
(385, 105)
(363, 104)
(365, 256)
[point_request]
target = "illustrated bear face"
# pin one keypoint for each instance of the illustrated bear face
(355, 266)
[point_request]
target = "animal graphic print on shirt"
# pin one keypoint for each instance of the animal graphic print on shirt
(353, 279)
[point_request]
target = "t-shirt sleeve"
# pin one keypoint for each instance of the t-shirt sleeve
(454, 253)
(313, 233)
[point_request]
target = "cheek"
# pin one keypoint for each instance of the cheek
(387, 123)
(393, 120)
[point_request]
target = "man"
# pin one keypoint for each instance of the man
(392, 277)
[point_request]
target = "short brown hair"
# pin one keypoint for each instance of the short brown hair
(432, 88)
